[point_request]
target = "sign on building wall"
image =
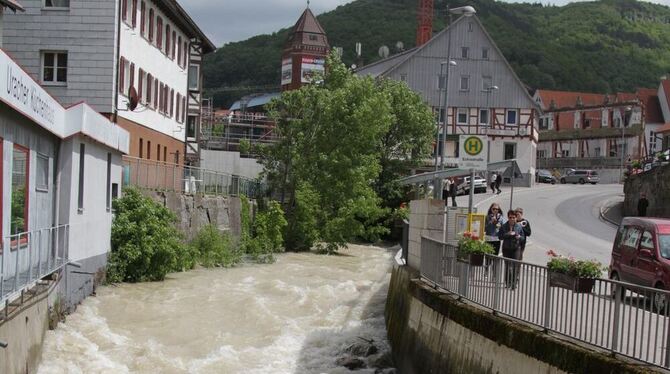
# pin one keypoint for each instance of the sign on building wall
(286, 71)
(310, 67)
(22, 93)
(473, 152)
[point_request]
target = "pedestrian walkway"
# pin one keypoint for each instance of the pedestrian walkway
(612, 211)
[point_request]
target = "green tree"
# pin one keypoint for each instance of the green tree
(145, 243)
(337, 136)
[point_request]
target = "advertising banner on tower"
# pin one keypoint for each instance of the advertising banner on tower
(473, 152)
(286, 71)
(311, 66)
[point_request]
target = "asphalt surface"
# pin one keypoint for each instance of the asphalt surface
(565, 218)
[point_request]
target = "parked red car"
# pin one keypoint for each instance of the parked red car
(641, 254)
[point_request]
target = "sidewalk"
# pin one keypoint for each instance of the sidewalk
(612, 211)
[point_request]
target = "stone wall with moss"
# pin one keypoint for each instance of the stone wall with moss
(431, 332)
(655, 183)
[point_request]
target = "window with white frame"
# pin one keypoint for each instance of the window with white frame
(483, 116)
(193, 77)
(511, 117)
(485, 53)
(565, 153)
(465, 83)
(464, 52)
(42, 177)
(441, 81)
(596, 152)
(541, 154)
(56, 3)
(54, 67)
(462, 116)
(124, 76)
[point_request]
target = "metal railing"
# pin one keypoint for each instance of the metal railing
(30, 256)
(164, 176)
(626, 319)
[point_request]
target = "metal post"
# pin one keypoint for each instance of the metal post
(622, 143)
(511, 194)
(547, 303)
(618, 295)
(472, 190)
(30, 257)
(16, 269)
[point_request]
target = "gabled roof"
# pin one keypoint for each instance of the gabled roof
(398, 60)
(380, 67)
(12, 4)
(181, 18)
(568, 99)
(308, 23)
(251, 101)
(649, 97)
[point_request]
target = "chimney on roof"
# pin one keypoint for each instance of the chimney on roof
(580, 102)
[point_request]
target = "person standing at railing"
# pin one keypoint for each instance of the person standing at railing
(494, 221)
(511, 234)
(525, 225)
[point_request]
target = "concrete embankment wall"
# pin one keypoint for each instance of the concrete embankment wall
(431, 332)
(24, 330)
(656, 184)
(195, 211)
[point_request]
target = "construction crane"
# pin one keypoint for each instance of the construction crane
(424, 30)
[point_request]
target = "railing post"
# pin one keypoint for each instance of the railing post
(618, 295)
(493, 273)
(30, 257)
(464, 279)
(16, 268)
(39, 255)
(547, 302)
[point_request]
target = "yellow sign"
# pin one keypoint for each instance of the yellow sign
(476, 224)
(473, 146)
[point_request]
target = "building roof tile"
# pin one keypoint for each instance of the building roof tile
(649, 97)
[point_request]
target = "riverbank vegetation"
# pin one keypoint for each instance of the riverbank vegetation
(146, 244)
(343, 143)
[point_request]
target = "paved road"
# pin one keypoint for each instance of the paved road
(563, 217)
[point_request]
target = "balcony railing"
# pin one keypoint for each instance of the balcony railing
(164, 176)
(29, 256)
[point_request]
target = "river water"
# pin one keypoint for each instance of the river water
(297, 315)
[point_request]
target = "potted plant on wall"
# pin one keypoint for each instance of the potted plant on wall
(472, 249)
(569, 273)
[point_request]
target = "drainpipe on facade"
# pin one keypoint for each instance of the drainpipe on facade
(115, 112)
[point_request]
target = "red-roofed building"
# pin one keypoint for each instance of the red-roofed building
(581, 129)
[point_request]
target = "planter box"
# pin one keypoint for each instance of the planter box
(474, 259)
(575, 284)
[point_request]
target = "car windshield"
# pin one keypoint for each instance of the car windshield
(594, 173)
(664, 245)
(544, 173)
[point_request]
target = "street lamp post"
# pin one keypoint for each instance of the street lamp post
(624, 123)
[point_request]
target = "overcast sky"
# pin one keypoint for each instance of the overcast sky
(233, 20)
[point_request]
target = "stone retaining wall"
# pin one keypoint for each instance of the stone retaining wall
(656, 184)
(431, 332)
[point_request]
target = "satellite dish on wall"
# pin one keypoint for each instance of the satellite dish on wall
(384, 51)
(133, 100)
(400, 46)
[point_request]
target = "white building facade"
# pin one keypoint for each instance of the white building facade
(103, 52)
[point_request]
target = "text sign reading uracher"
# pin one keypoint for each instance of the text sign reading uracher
(473, 152)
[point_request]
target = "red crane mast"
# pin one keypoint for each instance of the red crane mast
(424, 30)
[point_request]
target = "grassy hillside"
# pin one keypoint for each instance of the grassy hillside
(601, 46)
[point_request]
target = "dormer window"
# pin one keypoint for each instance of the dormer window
(313, 37)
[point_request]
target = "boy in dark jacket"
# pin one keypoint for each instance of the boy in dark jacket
(525, 225)
(511, 234)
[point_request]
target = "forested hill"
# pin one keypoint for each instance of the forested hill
(601, 46)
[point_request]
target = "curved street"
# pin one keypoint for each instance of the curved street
(564, 218)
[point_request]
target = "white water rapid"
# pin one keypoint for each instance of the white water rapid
(297, 315)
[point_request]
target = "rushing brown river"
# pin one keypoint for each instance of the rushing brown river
(298, 315)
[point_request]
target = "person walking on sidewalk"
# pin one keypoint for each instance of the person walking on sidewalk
(498, 183)
(452, 192)
(642, 205)
(525, 225)
(511, 233)
(446, 185)
(494, 221)
(492, 183)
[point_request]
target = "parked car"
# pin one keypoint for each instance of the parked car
(641, 255)
(464, 187)
(544, 176)
(581, 177)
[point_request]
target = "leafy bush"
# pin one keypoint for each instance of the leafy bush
(576, 268)
(213, 248)
(268, 234)
(302, 231)
(470, 243)
(145, 243)
(245, 146)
